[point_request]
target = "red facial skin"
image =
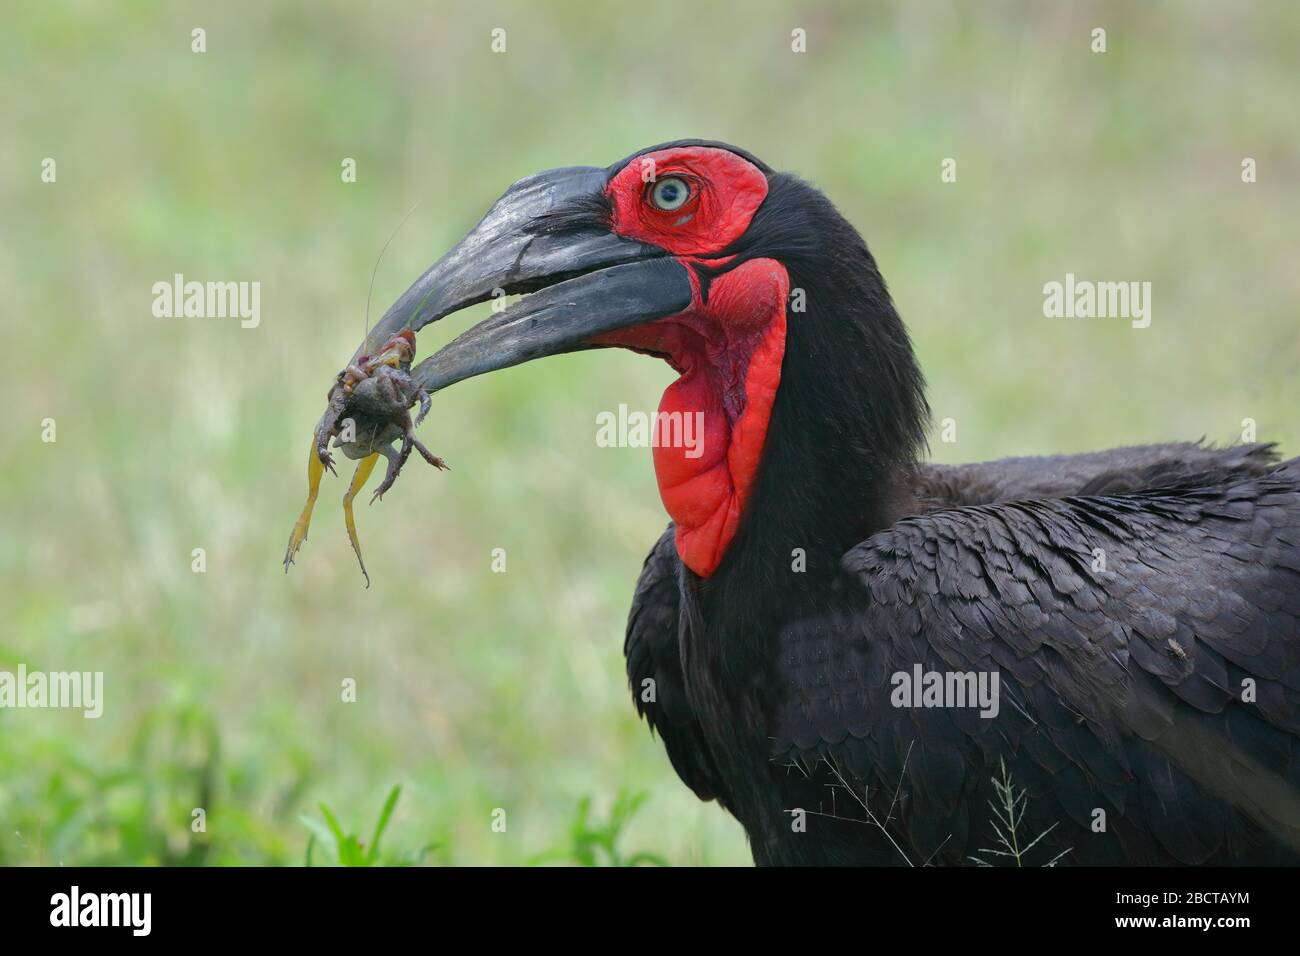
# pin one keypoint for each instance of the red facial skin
(727, 350)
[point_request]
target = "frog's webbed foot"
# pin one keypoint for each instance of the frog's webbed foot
(315, 468)
(429, 456)
(359, 478)
(396, 461)
(426, 402)
(326, 459)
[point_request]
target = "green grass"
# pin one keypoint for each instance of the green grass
(346, 849)
(477, 690)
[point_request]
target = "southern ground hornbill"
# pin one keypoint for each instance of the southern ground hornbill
(869, 659)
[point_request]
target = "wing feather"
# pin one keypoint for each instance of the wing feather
(1147, 646)
(652, 649)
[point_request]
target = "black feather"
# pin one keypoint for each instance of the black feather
(1149, 707)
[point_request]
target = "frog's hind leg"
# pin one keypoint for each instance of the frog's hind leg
(315, 468)
(429, 456)
(359, 478)
(396, 462)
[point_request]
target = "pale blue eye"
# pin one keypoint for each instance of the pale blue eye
(670, 194)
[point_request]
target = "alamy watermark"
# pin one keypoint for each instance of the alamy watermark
(952, 689)
(133, 911)
(630, 429)
(179, 299)
(75, 690)
(1084, 299)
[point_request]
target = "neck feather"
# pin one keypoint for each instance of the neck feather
(850, 415)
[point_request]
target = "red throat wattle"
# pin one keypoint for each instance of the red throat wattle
(728, 352)
(727, 346)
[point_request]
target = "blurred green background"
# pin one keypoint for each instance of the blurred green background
(476, 690)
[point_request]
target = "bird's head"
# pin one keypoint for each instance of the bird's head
(690, 252)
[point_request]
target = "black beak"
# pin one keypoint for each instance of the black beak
(548, 235)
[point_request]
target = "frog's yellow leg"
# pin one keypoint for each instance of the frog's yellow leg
(359, 478)
(299, 534)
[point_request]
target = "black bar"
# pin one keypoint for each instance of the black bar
(334, 905)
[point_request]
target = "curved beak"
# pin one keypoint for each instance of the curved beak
(549, 235)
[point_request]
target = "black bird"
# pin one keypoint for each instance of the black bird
(869, 659)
